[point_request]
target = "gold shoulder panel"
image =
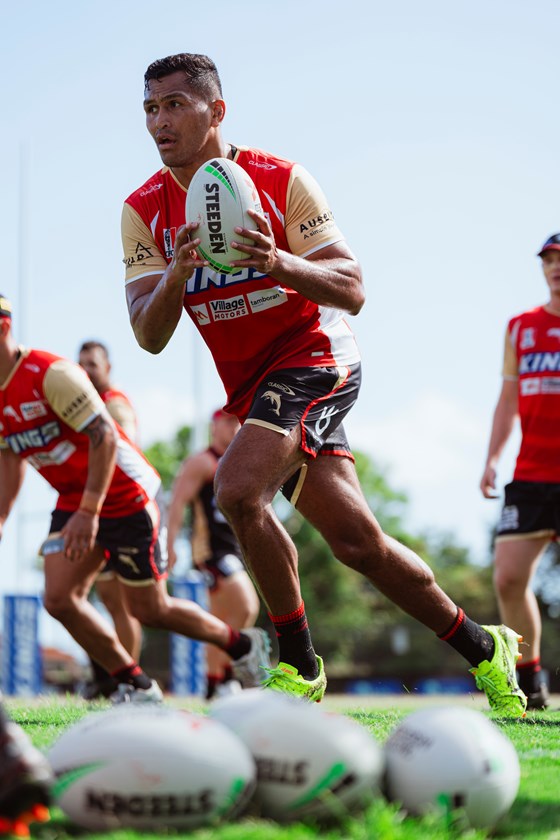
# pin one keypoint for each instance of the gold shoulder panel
(71, 394)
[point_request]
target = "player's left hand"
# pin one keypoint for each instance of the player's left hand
(263, 254)
(79, 534)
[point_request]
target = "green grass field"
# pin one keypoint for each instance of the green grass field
(534, 814)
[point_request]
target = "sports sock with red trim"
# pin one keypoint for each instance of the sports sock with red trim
(530, 676)
(239, 644)
(294, 642)
(132, 675)
(469, 639)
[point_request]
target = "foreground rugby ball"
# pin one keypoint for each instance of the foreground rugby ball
(310, 764)
(146, 768)
(218, 198)
(455, 761)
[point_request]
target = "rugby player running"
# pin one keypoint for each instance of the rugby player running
(291, 371)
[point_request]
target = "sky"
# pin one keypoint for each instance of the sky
(432, 128)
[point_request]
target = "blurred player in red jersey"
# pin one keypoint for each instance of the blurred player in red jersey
(54, 419)
(93, 356)
(530, 517)
(291, 371)
(214, 548)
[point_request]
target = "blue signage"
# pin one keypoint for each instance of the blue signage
(188, 657)
(22, 672)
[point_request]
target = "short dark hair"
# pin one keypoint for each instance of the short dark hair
(94, 345)
(201, 72)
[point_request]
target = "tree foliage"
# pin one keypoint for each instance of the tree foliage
(167, 456)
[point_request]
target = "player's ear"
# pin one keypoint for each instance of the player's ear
(218, 111)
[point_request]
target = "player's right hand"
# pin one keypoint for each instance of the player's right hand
(79, 534)
(185, 256)
(488, 483)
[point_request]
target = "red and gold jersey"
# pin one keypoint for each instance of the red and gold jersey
(250, 322)
(45, 404)
(532, 356)
(121, 410)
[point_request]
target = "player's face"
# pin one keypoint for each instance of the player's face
(97, 367)
(551, 268)
(181, 123)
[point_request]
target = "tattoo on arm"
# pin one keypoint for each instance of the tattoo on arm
(96, 430)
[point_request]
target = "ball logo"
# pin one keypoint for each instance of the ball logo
(213, 215)
(282, 772)
(137, 805)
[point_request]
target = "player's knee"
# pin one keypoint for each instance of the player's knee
(236, 502)
(59, 605)
(507, 584)
(361, 550)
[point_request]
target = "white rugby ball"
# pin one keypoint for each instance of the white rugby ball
(455, 761)
(150, 767)
(218, 198)
(310, 764)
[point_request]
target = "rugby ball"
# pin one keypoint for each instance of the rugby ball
(218, 198)
(310, 764)
(455, 761)
(149, 768)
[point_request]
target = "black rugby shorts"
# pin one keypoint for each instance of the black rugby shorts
(531, 508)
(130, 543)
(317, 399)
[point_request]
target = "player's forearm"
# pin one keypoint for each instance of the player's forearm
(101, 464)
(335, 282)
(502, 427)
(154, 316)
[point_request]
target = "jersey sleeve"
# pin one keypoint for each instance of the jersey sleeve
(123, 414)
(309, 222)
(71, 395)
(142, 256)
(510, 369)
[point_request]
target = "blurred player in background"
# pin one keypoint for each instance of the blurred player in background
(214, 548)
(25, 780)
(54, 419)
(291, 369)
(530, 517)
(93, 356)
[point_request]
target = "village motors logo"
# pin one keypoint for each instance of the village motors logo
(225, 310)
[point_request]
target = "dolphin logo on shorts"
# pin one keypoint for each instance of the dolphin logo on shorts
(275, 399)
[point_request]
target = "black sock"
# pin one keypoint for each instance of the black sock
(469, 639)
(132, 675)
(529, 676)
(212, 682)
(239, 644)
(294, 642)
(99, 673)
